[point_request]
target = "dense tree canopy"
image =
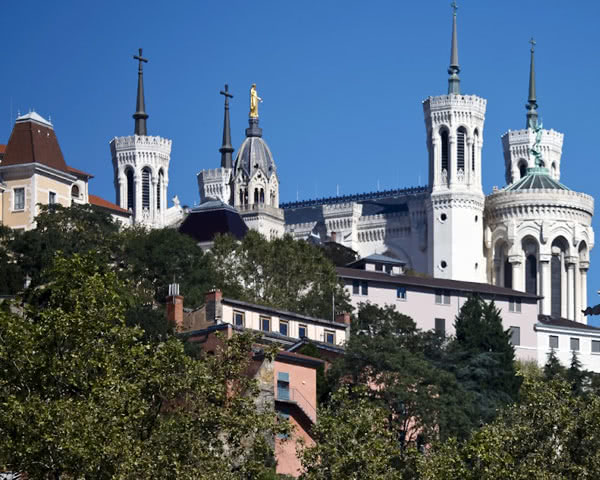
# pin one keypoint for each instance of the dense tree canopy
(85, 396)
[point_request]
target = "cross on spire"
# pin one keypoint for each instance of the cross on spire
(226, 149)
(140, 58)
(140, 114)
(533, 43)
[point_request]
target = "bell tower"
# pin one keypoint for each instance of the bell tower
(141, 167)
(454, 125)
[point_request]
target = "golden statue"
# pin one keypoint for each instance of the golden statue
(254, 99)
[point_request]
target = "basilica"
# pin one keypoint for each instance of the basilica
(533, 235)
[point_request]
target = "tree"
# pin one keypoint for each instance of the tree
(483, 359)
(549, 434)
(12, 279)
(574, 375)
(387, 353)
(352, 441)
(64, 230)
(85, 396)
(283, 273)
(553, 369)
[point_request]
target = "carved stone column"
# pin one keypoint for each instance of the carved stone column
(469, 162)
(583, 269)
(545, 284)
(452, 159)
(518, 276)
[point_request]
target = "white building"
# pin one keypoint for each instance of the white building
(141, 168)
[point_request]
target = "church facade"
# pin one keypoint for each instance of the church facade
(534, 235)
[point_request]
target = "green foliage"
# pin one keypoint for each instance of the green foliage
(353, 441)
(83, 395)
(482, 359)
(553, 368)
(284, 273)
(390, 355)
(550, 434)
(12, 278)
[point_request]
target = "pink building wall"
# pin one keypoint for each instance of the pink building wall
(420, 304)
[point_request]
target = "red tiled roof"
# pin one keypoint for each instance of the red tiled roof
(2, 148)
(79, 173)
(100, 202)
(31, 142)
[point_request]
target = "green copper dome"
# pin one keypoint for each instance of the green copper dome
(536, 178)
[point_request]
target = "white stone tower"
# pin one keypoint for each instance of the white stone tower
(141, 168)
(216, 183)
(455, 209)
(255, 186)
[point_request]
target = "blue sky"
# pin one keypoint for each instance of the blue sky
(342, 83)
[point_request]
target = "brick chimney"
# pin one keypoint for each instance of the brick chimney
(343, 318)
(175, 306)
(214, 307)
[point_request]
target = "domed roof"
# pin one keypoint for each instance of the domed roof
(536, 178)
(254, 153)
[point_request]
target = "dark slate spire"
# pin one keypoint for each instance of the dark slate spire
(226, 149)
(140, 114)
(532, 105)
(454, 69)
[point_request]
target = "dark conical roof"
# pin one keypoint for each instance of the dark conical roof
(254, 153)
(536, 178)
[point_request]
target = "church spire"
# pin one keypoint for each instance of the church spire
(532, 102)
(454, 69)
(140, 114)
(226, 149)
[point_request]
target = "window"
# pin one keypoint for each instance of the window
(514, 305)
(19, 203)
(553, 341)
(51, 198)
(355, 287)
(595, 346)
(283, 386)
(364, 287)
(265, 324)
(158, 189)
(442, 297)
(515, 336)
(575, 344)
(330, 337)
(75, 191)
(379, 267)
(130, 189)
(146, 174)
(238, 319)
(302, 331)
(440, 326)
(401, 293)
(444, 139)
(283, 415)
(461, 136)
(283, 327)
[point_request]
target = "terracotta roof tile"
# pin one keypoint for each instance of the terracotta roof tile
(79, 173)
(100, 202)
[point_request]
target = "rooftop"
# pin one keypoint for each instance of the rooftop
(538, 178)
(430, 282)
(564, 323)
(100, 202)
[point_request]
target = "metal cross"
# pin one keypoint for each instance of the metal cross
(532, 41)
(140, 58)
(226, 94)
(454, 7)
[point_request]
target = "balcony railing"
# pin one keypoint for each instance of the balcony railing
(293, 395)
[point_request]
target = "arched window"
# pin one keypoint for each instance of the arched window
(475, 141)
(555, 279)
(444, 139)
(461, 148)
(146, 177)
(75, 191)
(256, 195)
(554, 171)
(531, 274)
(507, 274)
(158, 189)
(522, 169)
(130, 189)
(262, 195)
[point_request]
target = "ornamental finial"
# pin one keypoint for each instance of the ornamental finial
(454, 69)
